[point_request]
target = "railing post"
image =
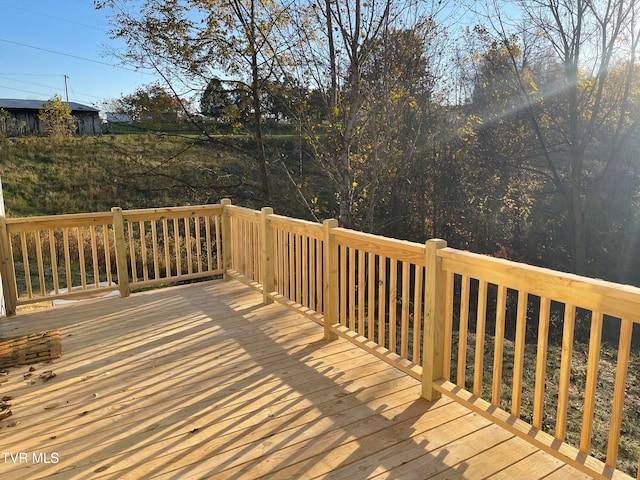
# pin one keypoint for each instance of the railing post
(7, 270)
(226, 238)
(266, 255)
(433, 343)
(121, 252)
(331, 294)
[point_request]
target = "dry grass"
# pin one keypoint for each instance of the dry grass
(629, 450)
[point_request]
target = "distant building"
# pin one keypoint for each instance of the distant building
(24, 116)
(113, 117)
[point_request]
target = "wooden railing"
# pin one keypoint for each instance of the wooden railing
(84, 255)
(427, 308)
(466, 325)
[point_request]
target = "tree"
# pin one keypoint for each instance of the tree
(56, 119)
(336, 42)
(216, 100)
(580, 116)
(194, 40)
(8, 125)
(151, 104)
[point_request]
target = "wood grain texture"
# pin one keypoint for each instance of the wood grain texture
(205, 381)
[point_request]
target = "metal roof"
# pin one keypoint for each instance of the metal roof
(13, 104)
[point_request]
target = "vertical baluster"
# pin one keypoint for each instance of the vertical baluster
(417, 315)
(187, 244)
(448, 325)
(207, 235)
(371, 297)
(320, 275)
(305, 271)
(463, 332)
(382, 296)
(107, 253)
(565, 371)
(404, 318)
(292, 266)
(496, 388)
(312, 274)
(393, 300)
(154, 249)
(54, 262)
(132, 252)
(351, 299)
(94, 256)
(25, 263)
(541, 363)
(622, 366)
(143, 250)
(595, 338)
(343, 285)
(219, 262)
(362, 286)
(83, 270)
(196, 226)
(299, 269)
(277, 243)
(38, 240)
(176, 241)
(481, 320)
(67, 258)
(518, 357)
(167, 248)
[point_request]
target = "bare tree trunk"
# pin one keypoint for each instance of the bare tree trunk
(261, 159)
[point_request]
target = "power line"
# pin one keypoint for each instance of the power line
(31, 74)
(27, 91)
(29, 83)
(54, 17)
(75, 56)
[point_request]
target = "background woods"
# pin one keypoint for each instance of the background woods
(516, 138)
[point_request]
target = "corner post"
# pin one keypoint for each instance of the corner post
(266, 255)
(7, 270)
(330, 252)
(433, 343)
(226, 238)
(121, 252)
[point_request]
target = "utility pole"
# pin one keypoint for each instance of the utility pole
(66, 89)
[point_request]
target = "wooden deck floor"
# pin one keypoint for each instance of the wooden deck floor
(204, 381)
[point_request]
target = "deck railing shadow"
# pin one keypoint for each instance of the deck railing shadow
(420, 307)
(302, 403)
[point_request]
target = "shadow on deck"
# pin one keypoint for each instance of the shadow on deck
(204, 381)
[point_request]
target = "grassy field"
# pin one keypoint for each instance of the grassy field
(46, 176)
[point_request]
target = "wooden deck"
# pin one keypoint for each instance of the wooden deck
(203, 381)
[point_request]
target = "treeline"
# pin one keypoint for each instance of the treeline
(516, 138)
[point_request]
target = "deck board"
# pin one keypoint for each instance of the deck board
(203, 381)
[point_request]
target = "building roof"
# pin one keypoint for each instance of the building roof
(13, 104)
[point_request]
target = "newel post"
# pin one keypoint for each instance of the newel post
(7, 270)
(266, 255)
(433, 343)
(226, 238)
(330, 265)
(121, 252)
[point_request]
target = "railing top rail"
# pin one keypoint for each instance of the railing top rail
(377, 244)
(596, 295)
(242, 212)
(46, 222)
(301, 227)
(171, 212)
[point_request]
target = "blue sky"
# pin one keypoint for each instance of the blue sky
(41, 41)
